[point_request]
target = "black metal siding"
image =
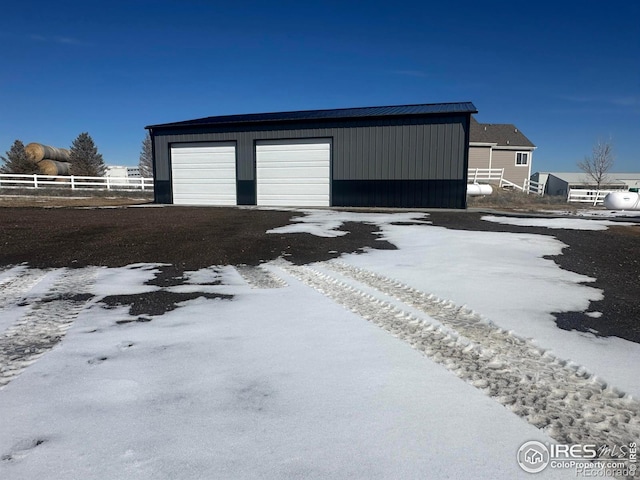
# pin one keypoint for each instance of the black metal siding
(404, 162)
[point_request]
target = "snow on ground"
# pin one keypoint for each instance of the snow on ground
(288, 381)
(595, 213)
(555, 223)
(325, 224)
(505, 278)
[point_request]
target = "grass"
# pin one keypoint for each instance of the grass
(65, 197)
(516, 200)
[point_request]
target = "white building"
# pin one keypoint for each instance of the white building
(560, 183)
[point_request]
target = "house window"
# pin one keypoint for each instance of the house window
(522, 158)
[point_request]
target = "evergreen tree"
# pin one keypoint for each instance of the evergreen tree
(84, 157)
(16, 160)
(146, 157)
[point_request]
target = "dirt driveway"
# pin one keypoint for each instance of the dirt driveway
(190, 238)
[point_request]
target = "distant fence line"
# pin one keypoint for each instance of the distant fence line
(582, 195)
(496, 175)
(75, 182)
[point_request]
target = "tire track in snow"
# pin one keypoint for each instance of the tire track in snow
(566, 401)
(258, 277)
(45, 324)
(16, 287)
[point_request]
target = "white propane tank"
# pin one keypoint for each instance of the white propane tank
(475, 189)
(622, 201)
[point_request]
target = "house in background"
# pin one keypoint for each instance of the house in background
(501, 146)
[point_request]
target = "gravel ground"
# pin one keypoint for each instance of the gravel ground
(199, 237)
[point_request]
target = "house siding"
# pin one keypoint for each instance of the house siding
(479, 157)
(506, 159)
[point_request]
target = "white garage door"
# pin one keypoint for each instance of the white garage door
(293, 173)
(204, 174)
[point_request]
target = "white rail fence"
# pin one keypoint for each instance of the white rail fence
(583, 195)
(75, 182)
(496, 175)
(475, 175)
(531, 186)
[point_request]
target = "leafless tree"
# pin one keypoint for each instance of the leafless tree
(599, 163)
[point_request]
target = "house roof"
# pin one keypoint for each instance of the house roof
(575, 178)
(501, 134)
(342, 113)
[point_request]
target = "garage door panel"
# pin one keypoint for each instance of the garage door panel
(208, 175)
(288, 201)
(293, 173)
(197, 150)
(199, 199)
(298, 144)
(192, 192)
(289, 185)
(204, 186)
(308, 189)
(204, 174)
(300, 160)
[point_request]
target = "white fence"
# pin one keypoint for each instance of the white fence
(475, 175)
(531, 186)
(496, 175)
(75, 182)
(582, 195)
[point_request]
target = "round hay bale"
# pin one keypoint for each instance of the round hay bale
(53, 167)
(36, 152)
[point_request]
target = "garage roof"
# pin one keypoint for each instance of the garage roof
(342, 113)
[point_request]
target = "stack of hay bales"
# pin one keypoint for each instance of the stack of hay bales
(50, 160)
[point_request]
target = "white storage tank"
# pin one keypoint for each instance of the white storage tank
(622, 201)
(476, 189)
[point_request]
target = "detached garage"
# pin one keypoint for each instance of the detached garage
(398, 156)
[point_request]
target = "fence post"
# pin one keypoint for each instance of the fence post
(73, 184)
(108, 184)
(142, 183)
(35, 180)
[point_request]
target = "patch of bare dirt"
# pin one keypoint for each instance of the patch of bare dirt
(191, 238)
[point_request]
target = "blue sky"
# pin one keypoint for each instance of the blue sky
(566, 73)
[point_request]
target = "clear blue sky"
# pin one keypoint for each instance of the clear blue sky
(566, 73)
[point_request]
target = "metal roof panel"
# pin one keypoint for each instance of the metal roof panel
(343, 113)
